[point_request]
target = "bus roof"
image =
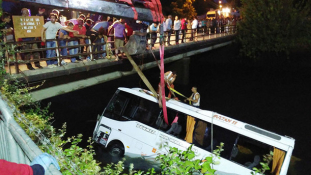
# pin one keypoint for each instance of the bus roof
(273, 139)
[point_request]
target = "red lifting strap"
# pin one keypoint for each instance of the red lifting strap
(162, 84)
(129, 2)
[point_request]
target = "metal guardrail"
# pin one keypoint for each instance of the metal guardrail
(15, 145)
(16, 47)
(200, 33)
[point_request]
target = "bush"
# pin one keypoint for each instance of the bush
(183, 162)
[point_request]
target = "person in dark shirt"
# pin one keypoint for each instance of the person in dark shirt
(6, 29)
(88, 24)
(27, 56)
(63, 35)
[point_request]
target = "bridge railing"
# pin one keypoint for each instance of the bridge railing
(96, 48)
(10, 54)
(15, 145)
(193, 35)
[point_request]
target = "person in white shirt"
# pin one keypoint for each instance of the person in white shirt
(169, 29)
(194, 28)
(51, 28)
(177, 26)
(195, 97)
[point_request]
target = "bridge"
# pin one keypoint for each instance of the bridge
(75, 76)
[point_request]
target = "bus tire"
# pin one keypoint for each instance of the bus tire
(116, 149)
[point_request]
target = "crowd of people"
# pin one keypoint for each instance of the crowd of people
(181, 27)
(74, 32)
(106, 34)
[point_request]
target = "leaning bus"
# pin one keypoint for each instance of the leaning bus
(132, 124)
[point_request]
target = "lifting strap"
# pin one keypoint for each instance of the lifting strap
(140, 73)
(163, 84)
(177, 92)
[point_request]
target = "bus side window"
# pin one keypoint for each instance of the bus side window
(180, 129)
(248, 152)
(142, 110)
(225, 136)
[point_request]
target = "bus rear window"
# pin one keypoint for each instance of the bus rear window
(249, 153)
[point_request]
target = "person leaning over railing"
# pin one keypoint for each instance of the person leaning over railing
(101, 28)
(91, 35)
(100, 41)
(63, 35)
(80, 28)
(51, 28)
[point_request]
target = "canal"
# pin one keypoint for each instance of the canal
(274, 97)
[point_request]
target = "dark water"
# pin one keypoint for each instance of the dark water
(276, 98)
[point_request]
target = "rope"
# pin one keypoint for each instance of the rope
(177, 92)
(154, 56)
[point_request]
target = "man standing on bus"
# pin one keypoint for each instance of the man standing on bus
(195, 97)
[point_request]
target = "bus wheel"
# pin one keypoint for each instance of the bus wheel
(116, 149)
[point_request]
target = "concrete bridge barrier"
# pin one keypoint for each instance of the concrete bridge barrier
(15, 145)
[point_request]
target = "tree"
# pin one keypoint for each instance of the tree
(184, 8)
(202, 6)
(274, 26)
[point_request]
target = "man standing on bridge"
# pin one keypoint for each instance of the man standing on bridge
(168, 25)
(119, 35)
(51, 28)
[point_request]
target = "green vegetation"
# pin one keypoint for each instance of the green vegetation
(183, 162)
(265, 165)
(274, 27)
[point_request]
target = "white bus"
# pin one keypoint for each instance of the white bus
(132, 124)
